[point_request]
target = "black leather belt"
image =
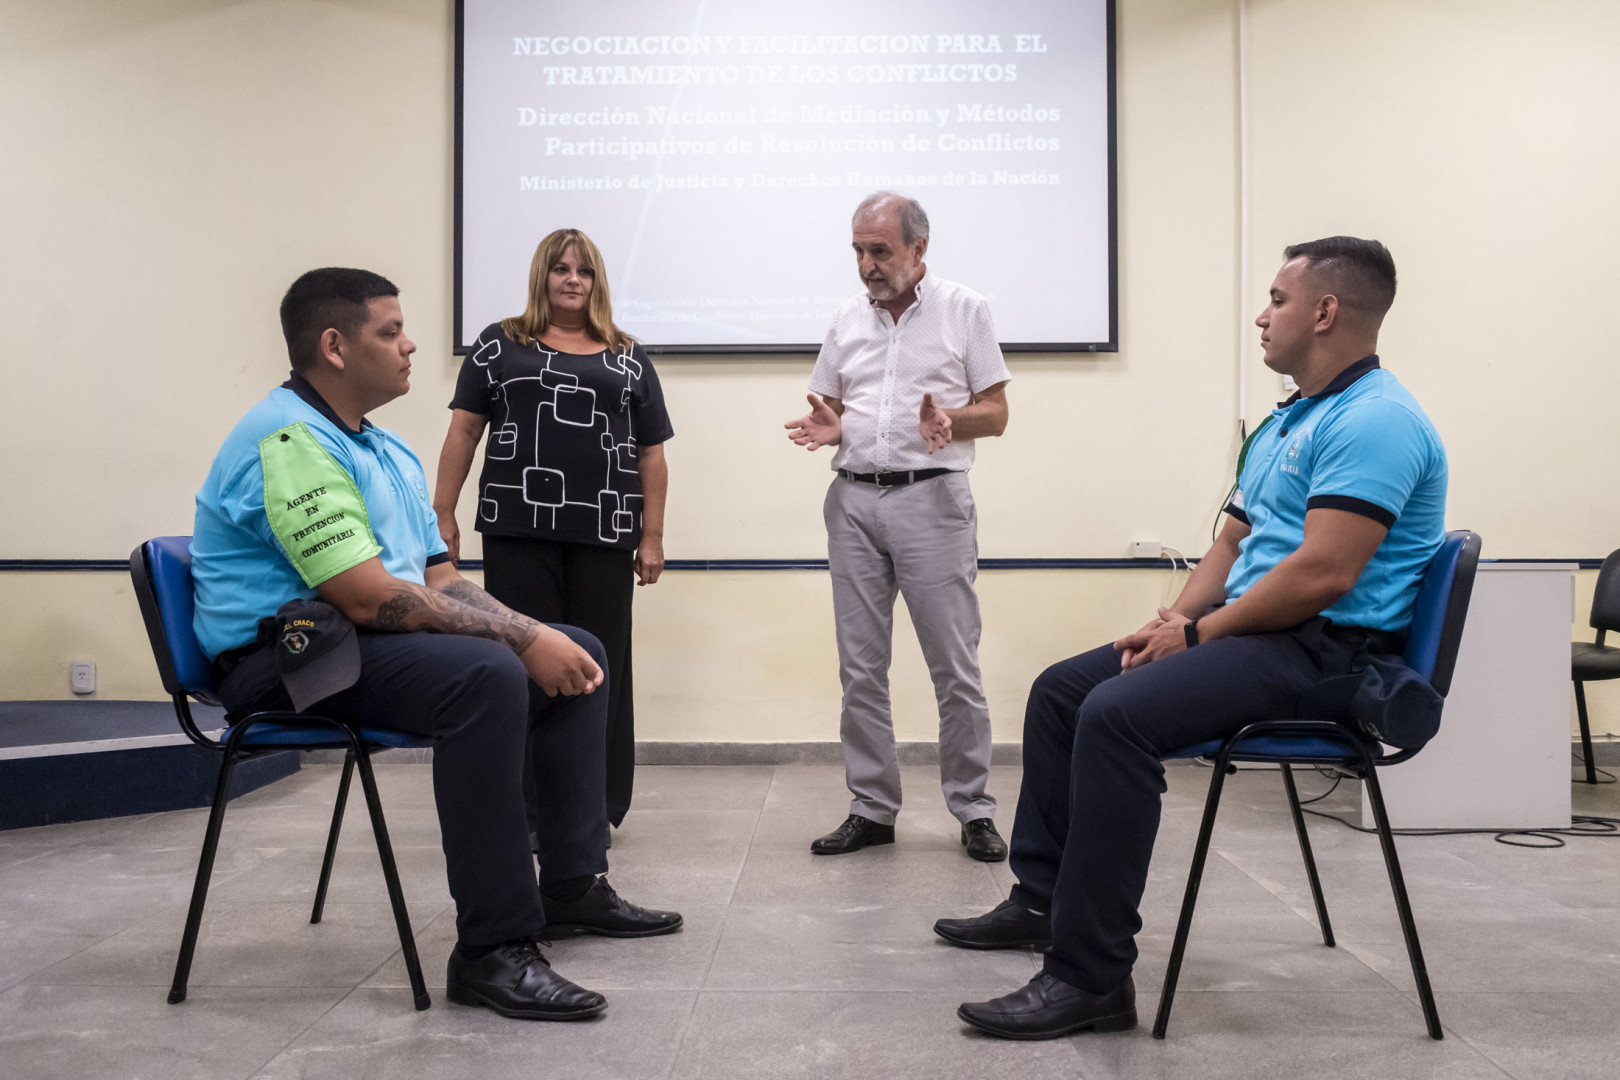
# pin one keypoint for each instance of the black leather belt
(227, 660)
(893, 479)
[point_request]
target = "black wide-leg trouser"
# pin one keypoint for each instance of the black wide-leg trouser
(1094, 737)
(473, 697)
(591, 587)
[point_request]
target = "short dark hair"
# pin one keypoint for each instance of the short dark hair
(333, 297)
(1361, 273)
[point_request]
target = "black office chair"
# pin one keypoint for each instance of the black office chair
(1595, 661)
(1431, 650)
(161, 569)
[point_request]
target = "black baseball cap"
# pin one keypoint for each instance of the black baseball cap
(317, 651)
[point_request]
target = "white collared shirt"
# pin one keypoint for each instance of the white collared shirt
(944, 344)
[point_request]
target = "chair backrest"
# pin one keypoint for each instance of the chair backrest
(1442, 609)
(1606, 599)
(161, 571)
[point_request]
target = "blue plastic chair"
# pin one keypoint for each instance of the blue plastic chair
(161, 569)
(1431, 650)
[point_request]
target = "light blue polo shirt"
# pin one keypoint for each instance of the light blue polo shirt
(295, 497)
(1361, 445)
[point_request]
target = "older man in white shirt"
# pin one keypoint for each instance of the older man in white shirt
(909, 376)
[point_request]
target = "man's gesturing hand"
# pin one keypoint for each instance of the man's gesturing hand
(1157, 639)
(558, 666)
(934, 424)
(821, 427)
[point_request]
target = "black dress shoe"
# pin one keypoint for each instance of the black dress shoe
(1049, 1008)
(855, 833)
(515, 980)
(603, 911)
(982, 840)
(1009, 925)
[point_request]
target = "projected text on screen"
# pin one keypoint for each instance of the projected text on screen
(714, 150)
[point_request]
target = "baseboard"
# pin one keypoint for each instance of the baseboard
(796, 753)
(1605, 753)
(721, 753)
(406, 755)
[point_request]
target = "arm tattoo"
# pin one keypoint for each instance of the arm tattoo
(414, 607)
(394, 614)
(473, 596)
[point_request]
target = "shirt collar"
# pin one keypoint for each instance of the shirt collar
(1342, 381)
(312, 397)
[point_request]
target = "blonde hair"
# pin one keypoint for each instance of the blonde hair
(526, 329)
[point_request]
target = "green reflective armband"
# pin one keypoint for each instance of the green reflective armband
(313, 506)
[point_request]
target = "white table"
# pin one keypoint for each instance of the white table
(1501, 759)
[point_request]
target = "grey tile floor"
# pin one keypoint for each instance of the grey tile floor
(791, 965)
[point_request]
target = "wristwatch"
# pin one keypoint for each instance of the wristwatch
(1190, 629)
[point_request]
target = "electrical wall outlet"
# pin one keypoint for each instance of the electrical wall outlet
(1147, 549)
(82, 677)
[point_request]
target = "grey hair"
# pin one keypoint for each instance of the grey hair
(913, 218)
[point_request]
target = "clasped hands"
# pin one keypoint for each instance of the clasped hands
(1159, 638)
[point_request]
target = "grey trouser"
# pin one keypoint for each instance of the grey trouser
(922, 540)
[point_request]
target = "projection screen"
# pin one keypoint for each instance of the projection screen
(715, 149)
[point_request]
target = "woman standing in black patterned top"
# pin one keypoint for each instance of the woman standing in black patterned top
(571, 497)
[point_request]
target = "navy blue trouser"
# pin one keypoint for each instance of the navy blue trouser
(1094, 737)
(473, 697)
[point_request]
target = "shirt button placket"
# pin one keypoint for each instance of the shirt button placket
(886, 407)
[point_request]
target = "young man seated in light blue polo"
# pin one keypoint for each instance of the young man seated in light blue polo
(308, 499)
(1339, 508)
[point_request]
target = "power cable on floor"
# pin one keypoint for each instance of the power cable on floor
(1584, 825)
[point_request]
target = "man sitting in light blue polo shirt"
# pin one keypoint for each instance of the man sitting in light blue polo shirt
(1360, 445)
(293, 477)
(307, 500)
(1340, 506)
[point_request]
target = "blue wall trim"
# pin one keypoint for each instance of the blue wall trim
(37, 566)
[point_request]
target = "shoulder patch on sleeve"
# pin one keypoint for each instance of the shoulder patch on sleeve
(314, 508)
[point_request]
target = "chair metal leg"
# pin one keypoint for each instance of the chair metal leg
(1403, 906)
(1310, 860)
(396, 896)
(205, 869)
(1194, 876)
(332, 837)
(1586, 732)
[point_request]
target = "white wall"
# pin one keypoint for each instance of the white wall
(173, 164)
(1480, 139)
